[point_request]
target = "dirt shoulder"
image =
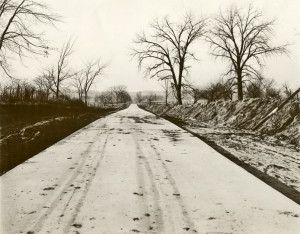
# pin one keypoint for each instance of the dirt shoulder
(28, 129)
(268, 157)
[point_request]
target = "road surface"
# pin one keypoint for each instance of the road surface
(132, 172)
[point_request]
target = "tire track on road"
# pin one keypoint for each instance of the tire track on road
(190, 226)
(89, 179)
(40, 222)
(156, 218)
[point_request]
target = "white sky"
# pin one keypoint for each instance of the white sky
(106, 29)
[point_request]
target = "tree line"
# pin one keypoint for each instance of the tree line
(220, 90)
(115, 94)
(40, 90)
(240, 37)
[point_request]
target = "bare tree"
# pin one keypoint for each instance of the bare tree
(61, 71)
(18, 91)
(17, 34)
(166, 51)
(255, 90)
(216, 90)
(139, 97)
(92, 70)
(105, 98)
(270, 89)
(77, 83)
(120, 93)
(150, 98)
(243, 40)
(114, 95)
(44, 84)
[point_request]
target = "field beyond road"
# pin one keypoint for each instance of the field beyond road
(27, 129)
(132, 172)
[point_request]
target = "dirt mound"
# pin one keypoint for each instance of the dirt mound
(241, 115)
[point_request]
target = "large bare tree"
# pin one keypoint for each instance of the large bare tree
(243, 39)
(92, 70)
(18, 32)
(166, 52)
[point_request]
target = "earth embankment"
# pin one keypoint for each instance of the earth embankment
(271, 152)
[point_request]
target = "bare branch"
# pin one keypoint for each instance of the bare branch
(17, 36)
(92, 70)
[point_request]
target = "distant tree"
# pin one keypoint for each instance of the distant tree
(18, 91)
(167, 51)
(243, 40)
(28, 91)
(270, 89)
(18, 36)
(121, 94)
(44, 84)
(92, 70)
(216, 91)
(61, 71)
(114, 95)
(167, 89)
(104, 98)
(139, 97)
(77, 83)
(255, 90)
(150, 98)
(195, 92)
(126, 98)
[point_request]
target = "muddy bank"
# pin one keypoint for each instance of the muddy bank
(284, 125)
(270, 154)
(26, 131)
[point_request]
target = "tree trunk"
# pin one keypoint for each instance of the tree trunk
(179, 97)
(240, 86)
(85, 98)
(57, 90)
(166, 97)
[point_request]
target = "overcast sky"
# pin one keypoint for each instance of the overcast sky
(106, 29)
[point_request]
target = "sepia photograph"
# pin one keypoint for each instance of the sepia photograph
(149, 116)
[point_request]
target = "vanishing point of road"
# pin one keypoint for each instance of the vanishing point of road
(132, 172)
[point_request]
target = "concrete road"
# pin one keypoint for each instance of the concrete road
(131, 172)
